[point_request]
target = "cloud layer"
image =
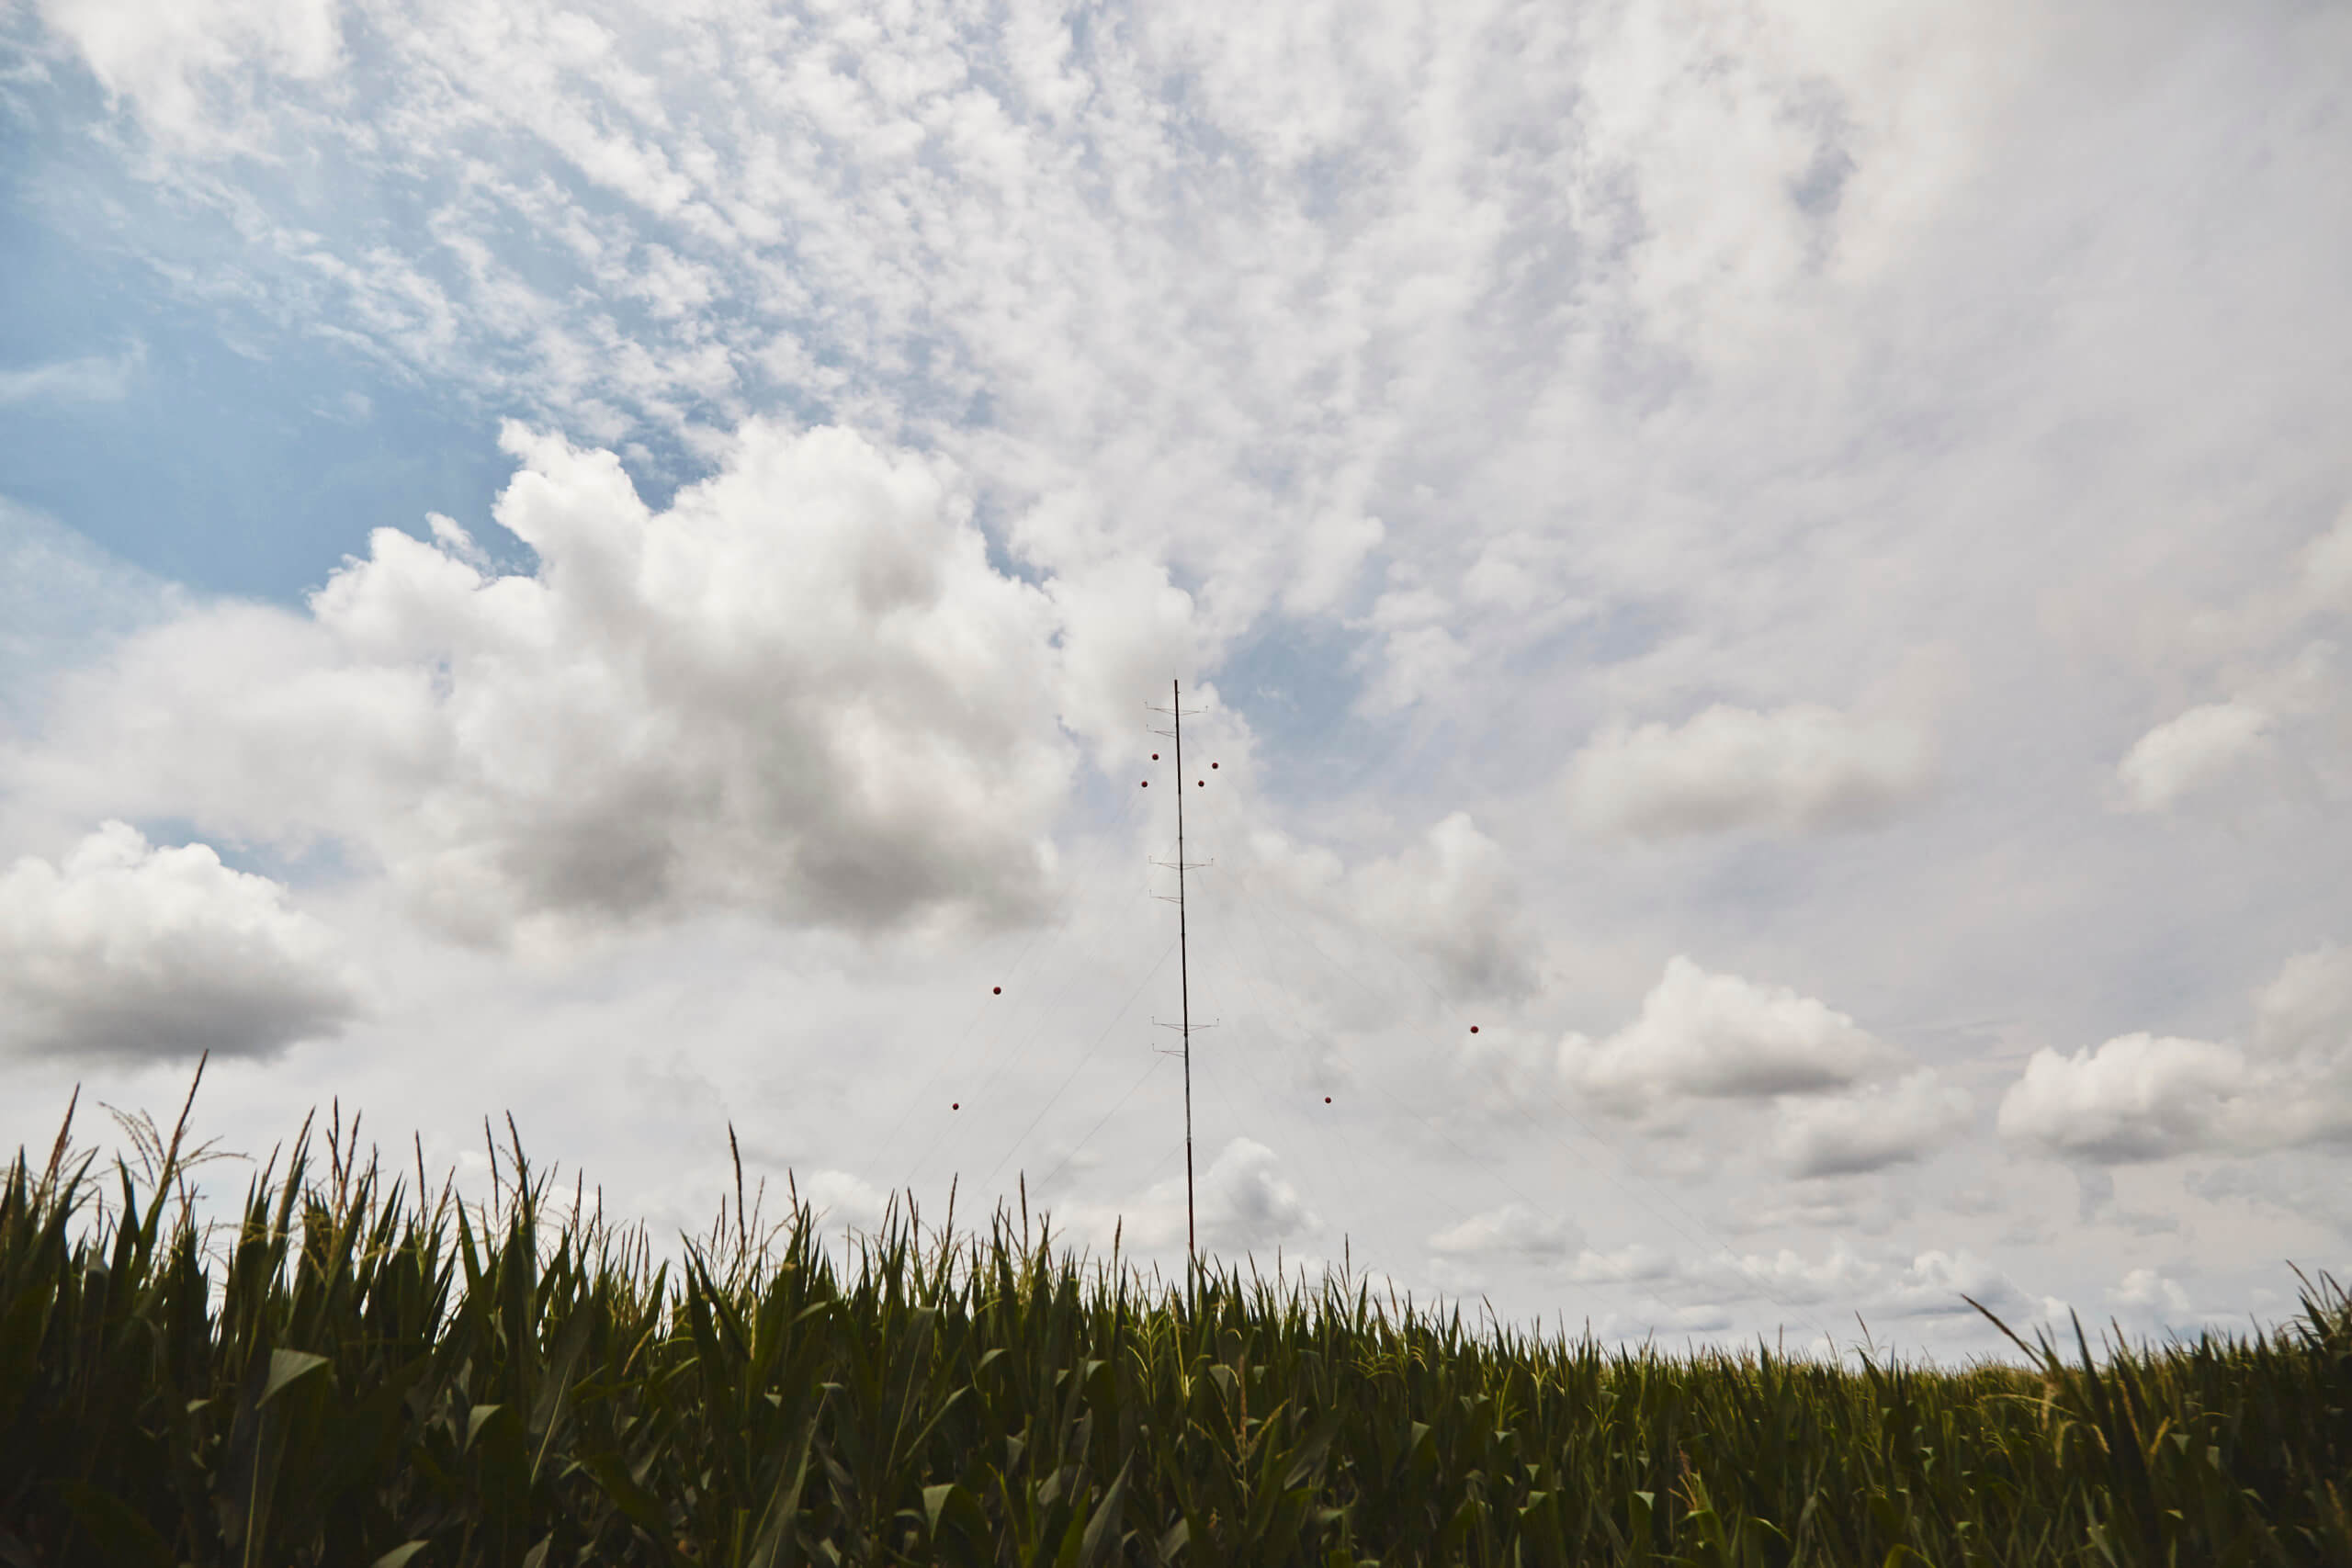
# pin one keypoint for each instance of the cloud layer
(1851, 492)
(1800, 767)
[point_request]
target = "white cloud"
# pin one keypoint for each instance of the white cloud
(2281, 734)
(2305, 1193)
(1453, 896)
(124, 950)
(1248, 1203)
(190, 69)
(1702, 1036)
(1934, 1283)
(2304, 1014)
(2147, 1288)
(1243, 1200)
(1929, 1283)
(843, 1200)
(2137, 1097)
(1838, 1106)
(1240, 367)
(93, 378)
(1126, 631)
(2324, 579)
(1870, 1127)
(2141, 1097)
(1636, 1262)
(1800, 767)
(1513, 1229)
(2192, 752)
(62, 602)
(801, 689)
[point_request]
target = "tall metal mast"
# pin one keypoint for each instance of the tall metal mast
(1180, 865)
(1184, 974)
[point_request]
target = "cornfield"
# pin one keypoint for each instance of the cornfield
(352, 1370)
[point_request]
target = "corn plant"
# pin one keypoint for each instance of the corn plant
(356, 1370)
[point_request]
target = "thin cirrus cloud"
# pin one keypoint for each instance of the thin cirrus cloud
(1800, 767)
(802, 689)
(127, 950)
(92, 379)
(190, 71)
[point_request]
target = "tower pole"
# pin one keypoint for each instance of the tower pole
(1184, 979)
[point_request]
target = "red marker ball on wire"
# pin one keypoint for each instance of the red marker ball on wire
(1474, 1029)
(999, 990)
(1327, 1099)
(956, 1105)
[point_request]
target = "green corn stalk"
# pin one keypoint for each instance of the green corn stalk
(356, 1371)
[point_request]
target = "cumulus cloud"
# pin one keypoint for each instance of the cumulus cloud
(1934, 1283)
(1513, 1230)
(1870, 1127)
(2282, 729)
(2192, 752)
(2304, 1014)
(1930, 1283)
(1125, 628)
(2324, 578)
(2141, 1096)
(802, 690)
(1632, 1263)
(1453, 896)
(2137, 1097)
(1702, 1036)
(1801, 767)
(2276, 729)
(1249, 1203)
(130, 951)
(1244, 1201)
(1838, 1107)
(2145, 1288)
(843, 1200)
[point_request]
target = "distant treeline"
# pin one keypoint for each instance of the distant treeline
(350, 1375)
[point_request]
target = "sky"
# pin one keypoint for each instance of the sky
(1758, 588)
